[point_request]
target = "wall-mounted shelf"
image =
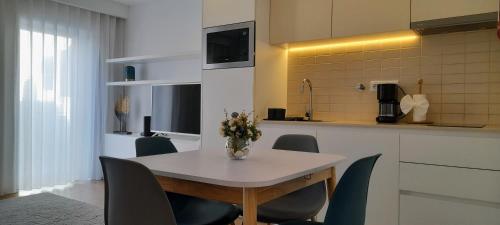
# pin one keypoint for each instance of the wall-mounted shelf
(155, 58)
(146, 82)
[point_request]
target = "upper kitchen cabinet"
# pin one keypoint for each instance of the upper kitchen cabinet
(358, 17)
(422, 10)
(222, 12)
(300, 20)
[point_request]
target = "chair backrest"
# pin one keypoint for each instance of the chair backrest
(133, 195)
(297, 142)
(348, 204)
(316, 192)
(145, 146)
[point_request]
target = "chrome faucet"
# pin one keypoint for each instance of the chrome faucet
(310, 112)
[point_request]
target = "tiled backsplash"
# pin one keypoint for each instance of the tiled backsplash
(461, 73)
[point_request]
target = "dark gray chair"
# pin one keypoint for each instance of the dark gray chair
(146, 146)
(303, 204)
(348, 205)
(133, 195)
(188, 210)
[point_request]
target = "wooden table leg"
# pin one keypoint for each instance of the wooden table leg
(249, 206)
(331, 182)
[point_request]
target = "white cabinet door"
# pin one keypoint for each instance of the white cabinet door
(300, 20)
(119, 146)
(451, 181)
(229, 89)
(271, 132)
(457, 150)
(222, 12)
(422, 10)
(355, 143)
(357, 17)
(433, 210)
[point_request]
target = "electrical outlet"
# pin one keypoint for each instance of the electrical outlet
(375, 83)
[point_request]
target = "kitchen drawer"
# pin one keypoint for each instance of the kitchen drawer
(471, 152)
(429, 210)
(483, 185)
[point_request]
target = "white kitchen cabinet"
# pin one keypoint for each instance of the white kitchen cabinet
(358, 17)
(424, 177)
(222, 12)
(422, 10)
(119, 146)
(449, 178)
(300, 20)
(447, 150)
(123, 146)
(356, 143)
(417, 209)
(463, 183)
(224, 89)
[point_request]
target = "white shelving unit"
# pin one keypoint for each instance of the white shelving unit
(146, 82)
(150, 59)
(155, 58)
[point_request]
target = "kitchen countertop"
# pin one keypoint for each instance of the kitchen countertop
(366, 124)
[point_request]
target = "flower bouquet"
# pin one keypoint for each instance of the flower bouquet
(239, 131)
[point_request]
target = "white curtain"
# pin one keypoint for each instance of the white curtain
(61, 94)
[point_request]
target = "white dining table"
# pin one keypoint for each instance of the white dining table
(265, 175)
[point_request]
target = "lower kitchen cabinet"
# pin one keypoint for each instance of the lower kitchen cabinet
(355, 143)
(462, 183)
(449, 179)
(421, 209)
(424, 177)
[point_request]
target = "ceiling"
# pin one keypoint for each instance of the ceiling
(132, 2)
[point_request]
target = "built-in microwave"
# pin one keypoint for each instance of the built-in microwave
(229, 46)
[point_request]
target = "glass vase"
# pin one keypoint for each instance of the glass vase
(237, 148)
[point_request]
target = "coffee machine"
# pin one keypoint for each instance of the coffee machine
(388, 99)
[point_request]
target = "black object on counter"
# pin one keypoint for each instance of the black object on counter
(147, 127)
(276, 114)
(388, 99)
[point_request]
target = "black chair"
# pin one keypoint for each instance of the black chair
(188, 210)
(146, 146)
(348, 205)
(133, 195)
(303, 204)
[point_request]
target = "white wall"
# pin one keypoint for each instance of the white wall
(158, 28)
(164, 26)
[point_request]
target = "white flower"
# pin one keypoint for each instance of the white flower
(239, 153)
(233, 128)
(249, 132)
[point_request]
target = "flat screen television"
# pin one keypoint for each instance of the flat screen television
(176, 108)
